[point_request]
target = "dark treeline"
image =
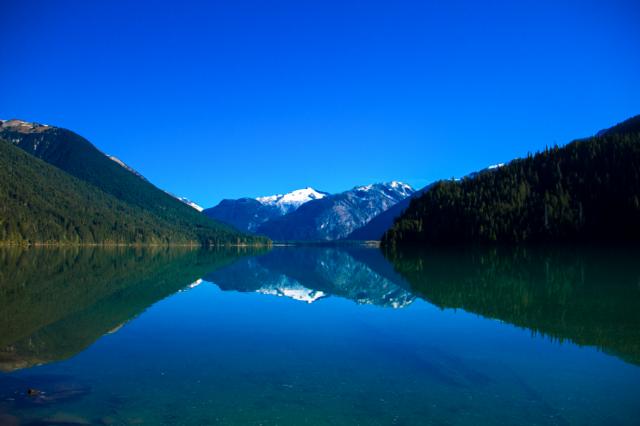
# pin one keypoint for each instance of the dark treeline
(588, 190)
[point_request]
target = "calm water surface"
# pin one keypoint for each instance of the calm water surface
(320, 336)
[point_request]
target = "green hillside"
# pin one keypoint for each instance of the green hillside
(588, 190)
(40, 203)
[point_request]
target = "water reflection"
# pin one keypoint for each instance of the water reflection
(353, 338)
(310, 273)
(56, 302)
(590, 296)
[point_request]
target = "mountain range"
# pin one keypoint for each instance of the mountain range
(307, 214)
(247, 214)
(56, 187)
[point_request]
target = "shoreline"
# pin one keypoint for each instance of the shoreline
(133, 245)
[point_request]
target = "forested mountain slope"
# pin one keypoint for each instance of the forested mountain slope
(588, 190)
(81, 196)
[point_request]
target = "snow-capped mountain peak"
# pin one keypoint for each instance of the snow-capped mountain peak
(398, 187)
(293, 216)
(398, 184)
(292, 200)
(337, 215)
(364, 188)
(401, 187)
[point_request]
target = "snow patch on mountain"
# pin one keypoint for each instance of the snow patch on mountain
(399, 188)
(337, 215)
(124, 165)
(186, 201)
(292, 200)
(196, 283)
(402, 187)
(190, 203)
(491, 168)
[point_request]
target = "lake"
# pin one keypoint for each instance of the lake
(320, 336)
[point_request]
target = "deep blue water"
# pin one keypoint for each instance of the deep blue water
(211, 338)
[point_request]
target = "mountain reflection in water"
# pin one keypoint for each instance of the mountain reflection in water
(54, 303)
(310, 273)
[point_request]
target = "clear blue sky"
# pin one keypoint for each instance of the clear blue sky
(225, 99)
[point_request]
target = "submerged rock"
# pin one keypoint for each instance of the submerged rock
(33, 392)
